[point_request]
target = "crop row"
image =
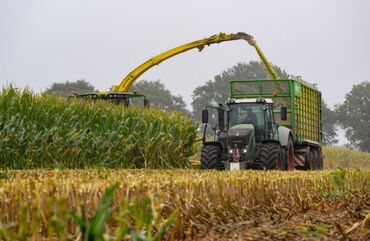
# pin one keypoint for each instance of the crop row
(49, 132)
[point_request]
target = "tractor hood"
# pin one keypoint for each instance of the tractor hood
(239, 135)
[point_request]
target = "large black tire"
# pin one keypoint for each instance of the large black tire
(317, 155)
(270, 156)
(210, 158)
(288, 162)
(310, 162)
(314, 160)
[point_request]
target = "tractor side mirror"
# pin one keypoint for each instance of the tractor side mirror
(283, 113)
(146, 103)
(221, 119)
(205, 116)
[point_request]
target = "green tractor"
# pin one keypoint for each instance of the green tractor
(266, 124)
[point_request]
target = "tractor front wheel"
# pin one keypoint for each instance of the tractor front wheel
(210, 158)
(270, 156)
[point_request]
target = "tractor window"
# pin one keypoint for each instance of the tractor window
(137, 102)
(246, 114)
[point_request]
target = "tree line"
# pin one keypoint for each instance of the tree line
(353, 115)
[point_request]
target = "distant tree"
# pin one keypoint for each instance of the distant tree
(329, 125)
(179, 104)
(354, 116)
(159, 96)
(217, 90)
(67, 88)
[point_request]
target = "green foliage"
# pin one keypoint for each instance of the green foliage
(217, 90)
(50, 132)
(67, 88)
(137, 218)
(136, 221)
(315, 230)
(340, 182)
(329, 125)
(93, 230)
(23, 231)
(3, 174)
(159, 96)
(354, 116)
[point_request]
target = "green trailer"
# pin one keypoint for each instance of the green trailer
(266, 124)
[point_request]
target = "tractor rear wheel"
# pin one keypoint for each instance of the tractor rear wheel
(210, 158)
(270, 155)
(289, 156)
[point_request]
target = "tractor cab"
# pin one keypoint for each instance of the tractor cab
(254, 114)
(120, 98)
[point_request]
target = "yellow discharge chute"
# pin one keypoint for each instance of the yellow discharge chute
(127, 81)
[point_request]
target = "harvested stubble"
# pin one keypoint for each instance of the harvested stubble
(208, 203)
(50, 132)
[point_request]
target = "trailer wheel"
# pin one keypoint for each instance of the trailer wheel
(312, 160)
(270, 155)
(315, 159)
(320, 161)
(210, 158)
(309, 163)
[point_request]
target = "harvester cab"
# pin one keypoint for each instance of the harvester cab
(126, 99)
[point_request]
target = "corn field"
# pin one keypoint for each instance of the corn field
(70, 191)
(50, 132)
(190, 204)
(340, 157)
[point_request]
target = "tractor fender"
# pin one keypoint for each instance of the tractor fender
(284, 134)
(271, 141)
(213, 143)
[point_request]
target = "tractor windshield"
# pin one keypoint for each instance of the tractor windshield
(246, 113)
(249, 113)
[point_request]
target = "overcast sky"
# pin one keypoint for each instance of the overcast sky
(41, 42)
